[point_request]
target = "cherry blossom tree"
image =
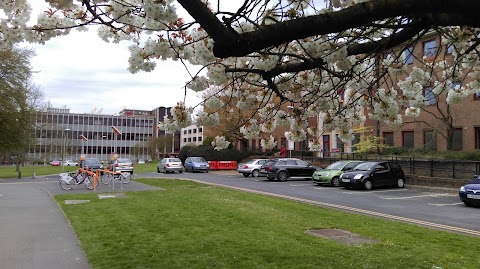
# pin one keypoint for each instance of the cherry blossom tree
(265, 54)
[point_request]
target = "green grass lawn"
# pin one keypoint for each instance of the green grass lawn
(9, 171)
(191, 225)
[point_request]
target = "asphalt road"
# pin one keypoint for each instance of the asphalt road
(434, 208)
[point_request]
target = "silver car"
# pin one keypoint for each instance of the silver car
(121, 165)
(251, 167)
(170, 165)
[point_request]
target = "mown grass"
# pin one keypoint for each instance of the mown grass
(191, 225)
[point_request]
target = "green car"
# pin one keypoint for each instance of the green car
(331, 174)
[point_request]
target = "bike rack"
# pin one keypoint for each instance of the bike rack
(90, 173)
(113, 174)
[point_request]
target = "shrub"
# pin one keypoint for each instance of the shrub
(207, 152)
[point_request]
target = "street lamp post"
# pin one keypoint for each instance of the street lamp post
(64, 141)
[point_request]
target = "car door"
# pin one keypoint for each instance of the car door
(188, 163)
(292, 167)
(382, 174)
(305, 169)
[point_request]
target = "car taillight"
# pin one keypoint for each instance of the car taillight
(246, 166)
(116, 165)
(132, 164)
(168, 165)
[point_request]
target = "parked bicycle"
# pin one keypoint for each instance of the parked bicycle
(69, 180)
(124, 177)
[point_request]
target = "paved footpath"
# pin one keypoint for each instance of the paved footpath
(34, 232)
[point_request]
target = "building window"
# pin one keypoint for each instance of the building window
(340, 144)
(184, 140)
(429, 95)
(189, 139)
(455, 85)
(408, 55)
(194, 139)
(476, 96)
(200, 129)
(388, 138)
(430, 140)
(199, 139)
(194, 131)
(407, 139)
(450, 49)
(184, 131)
(189, 131)
(457, 139)
(477, 137)
(430, 48)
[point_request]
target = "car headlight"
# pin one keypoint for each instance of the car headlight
(358, 176)
(462, 189)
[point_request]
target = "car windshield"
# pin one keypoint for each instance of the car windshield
(87, 162)
(365, 166)
(336, 166)
(198, 159)
(123, 161)
(174, 160)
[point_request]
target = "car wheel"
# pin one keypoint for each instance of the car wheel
(335, 182)
(367, 185)
(282, 175)
(158, 170)
(400, 183)
(255, 173)
(180, 172)
(245, 174)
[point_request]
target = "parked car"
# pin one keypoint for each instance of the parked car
(92, 164)
(70, 163)
(196, 164)
(368, 175)
(251, 167)
(170, 165)
(470, 193)
(284, 168)
(331, 174)
(55, 163)
(121, 165)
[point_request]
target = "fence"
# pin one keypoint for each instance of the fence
(455, 169)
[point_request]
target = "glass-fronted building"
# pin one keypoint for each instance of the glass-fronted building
(60, 132)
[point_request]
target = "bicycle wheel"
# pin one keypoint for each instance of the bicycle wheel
(125, 177)
(106, 178)
(67, 183)
(89, 183)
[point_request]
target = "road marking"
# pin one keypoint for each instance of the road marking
(416, 196)
(304, 184)
(320, 188)
(368, 192)
(1, 195)
(353, 209)
(446, 204)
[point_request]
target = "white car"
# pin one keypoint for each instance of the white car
(70, 163)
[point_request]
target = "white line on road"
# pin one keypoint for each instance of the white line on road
(1, 195)
(369, 192)
(445, 204)
(304, 184)
(416, 196)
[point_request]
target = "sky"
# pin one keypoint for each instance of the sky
(81, 72)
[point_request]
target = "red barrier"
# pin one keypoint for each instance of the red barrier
(227, 165)
(213, 165)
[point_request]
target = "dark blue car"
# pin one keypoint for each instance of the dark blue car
(470, 193)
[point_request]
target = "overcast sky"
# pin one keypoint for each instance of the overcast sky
(83, 73)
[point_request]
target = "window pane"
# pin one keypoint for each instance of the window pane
(429, 96)
(408, 139)
(430, 140)
(408, 55)
(457, 143)
(430, 48)
(388, 138)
